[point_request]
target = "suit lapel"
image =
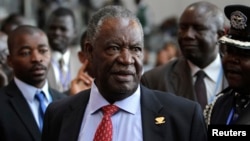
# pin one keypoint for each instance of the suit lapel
(72, 120)
(153, 124)
(182, 80)
(23, 110)
(52, 78)
(56, 95)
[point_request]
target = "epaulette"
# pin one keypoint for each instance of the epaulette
(209, 108)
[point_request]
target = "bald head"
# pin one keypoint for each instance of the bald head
(209, 11)
(22, 30)
(200, 26)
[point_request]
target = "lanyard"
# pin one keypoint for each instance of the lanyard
(230, 116)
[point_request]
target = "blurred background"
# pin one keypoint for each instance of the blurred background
(161, 8)
(159, 17)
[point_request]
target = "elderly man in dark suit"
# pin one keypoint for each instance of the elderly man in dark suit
(200, 27)
(115, 48)
(29, 56)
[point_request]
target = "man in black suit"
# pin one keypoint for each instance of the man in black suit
(115, 48)
(232, 104)
(200, 27)
(29, 56)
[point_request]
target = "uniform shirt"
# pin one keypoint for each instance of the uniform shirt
(126, 122)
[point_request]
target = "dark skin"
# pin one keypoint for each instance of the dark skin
(117, 54)
(84, 78)
(236, 65)
(29, 56)
(61, 31)
(198, 35)
(82, 55)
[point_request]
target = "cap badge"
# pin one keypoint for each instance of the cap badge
(238, 20)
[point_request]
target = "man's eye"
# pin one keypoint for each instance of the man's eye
(43, 51)
(136, 49)
(113, 50)
(24, 53)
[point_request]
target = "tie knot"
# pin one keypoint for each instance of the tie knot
(61, 63)
(40, 96)
(109, 110)
(200, 74)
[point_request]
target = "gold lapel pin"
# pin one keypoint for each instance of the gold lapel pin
(159, 120)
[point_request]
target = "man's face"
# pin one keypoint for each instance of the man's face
(60, 31)
(197, 37)
(118, 57)
(30, 57)
(236, 64)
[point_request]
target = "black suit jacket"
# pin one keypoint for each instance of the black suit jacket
(184, 118)
(17, 122)
(174, 77)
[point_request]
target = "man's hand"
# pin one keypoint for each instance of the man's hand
(82, 81)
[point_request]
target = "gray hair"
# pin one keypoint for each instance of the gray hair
(111, 11)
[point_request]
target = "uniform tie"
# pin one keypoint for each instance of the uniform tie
(200, 88)
(104, 130)
(42, 107)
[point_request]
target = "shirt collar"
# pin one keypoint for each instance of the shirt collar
(212, 70)
(56, 56)
(29, 91)
(97, 101)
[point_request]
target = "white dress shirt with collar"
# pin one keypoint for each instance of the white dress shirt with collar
(128, 117)
(213, 79)
(29, 92)
(56, 56)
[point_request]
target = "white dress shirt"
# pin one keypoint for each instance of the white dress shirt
(29, 92)
(127, 124)
(213, 79)
(62, 81)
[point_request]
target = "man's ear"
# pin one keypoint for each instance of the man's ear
(88, 50)
(221, 33)
(81, 56)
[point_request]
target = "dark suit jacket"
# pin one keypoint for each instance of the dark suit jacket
(184, 118)
(222, 108)
(17, 122)
(174, 77)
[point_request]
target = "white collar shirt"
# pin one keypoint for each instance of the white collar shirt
(29, 91)
(213, 79)
(128, 117)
